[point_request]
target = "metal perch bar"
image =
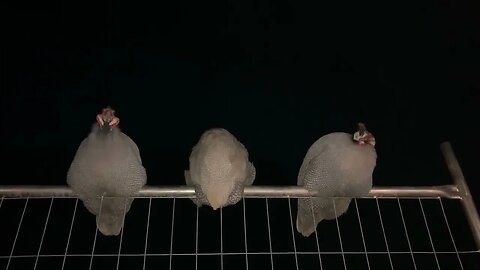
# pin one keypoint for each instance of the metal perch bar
(459, 190)
(446, 191)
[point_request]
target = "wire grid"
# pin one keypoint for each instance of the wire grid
(256, 233)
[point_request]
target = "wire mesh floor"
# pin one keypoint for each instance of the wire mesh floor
(256, 233)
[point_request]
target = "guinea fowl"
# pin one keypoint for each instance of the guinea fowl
(107, 163)
(336, 165)
(219, 169)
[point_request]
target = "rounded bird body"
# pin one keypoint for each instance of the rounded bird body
(338, 166)
(219, 169)
(107, 163)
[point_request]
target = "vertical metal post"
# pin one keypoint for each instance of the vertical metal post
(467, 200)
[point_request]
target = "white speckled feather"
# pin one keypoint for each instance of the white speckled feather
(219, 169)
(335, 166)
(107, 163)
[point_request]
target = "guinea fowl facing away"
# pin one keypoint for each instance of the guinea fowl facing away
(219, 169)
(336, 165)
(107, 163)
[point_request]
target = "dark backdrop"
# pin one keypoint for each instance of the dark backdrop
(277, 74)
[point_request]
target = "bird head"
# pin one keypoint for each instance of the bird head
(362, 136)
(108, 118)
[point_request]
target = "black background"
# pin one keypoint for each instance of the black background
(277, 74)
